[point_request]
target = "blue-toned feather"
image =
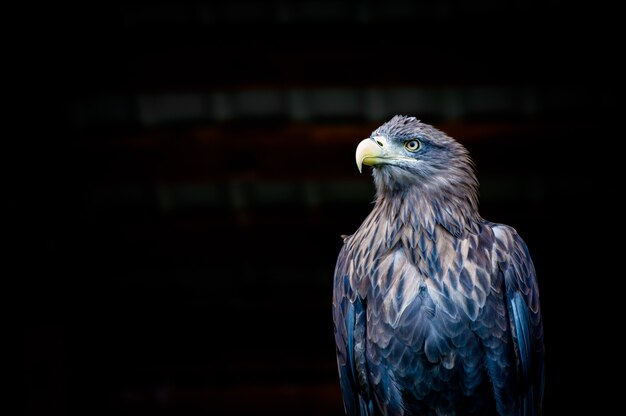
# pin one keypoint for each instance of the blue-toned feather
(522, 328)
(349, 317)
(466, 281)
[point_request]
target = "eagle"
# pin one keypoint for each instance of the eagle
(435, 309)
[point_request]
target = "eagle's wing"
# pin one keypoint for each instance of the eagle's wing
(349, 321)
(516, 271)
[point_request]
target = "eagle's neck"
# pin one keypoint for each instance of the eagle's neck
(413, 217)
(428, 228)
(426, 209)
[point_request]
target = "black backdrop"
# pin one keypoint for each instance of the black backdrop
(189, 170)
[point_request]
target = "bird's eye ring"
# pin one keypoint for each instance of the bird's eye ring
(412, 145)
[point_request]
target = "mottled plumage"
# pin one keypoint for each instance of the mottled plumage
(436, 310)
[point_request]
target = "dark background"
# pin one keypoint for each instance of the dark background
(189, 168)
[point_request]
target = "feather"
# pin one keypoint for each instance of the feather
(521, 325)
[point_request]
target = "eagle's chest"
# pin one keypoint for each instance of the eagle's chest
(418, 334)
(420, 304)
(394, 280)
(425, 275)
(405, 300)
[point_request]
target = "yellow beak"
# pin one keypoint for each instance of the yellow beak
(368, 153)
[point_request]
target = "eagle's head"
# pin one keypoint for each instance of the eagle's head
(410, 155)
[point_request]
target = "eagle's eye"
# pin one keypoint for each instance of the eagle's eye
(412, 145)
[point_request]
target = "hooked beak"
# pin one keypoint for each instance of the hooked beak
(369, 153)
